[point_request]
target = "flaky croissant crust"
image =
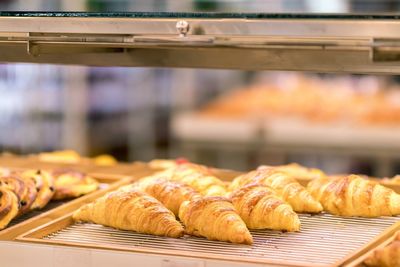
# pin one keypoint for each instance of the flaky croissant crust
(355, 196)
(214, 218)
(284, 185)
(261, 208)
(170, 193)
(131, 210)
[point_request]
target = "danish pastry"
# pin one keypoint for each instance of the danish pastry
(9, 206)
(71, 184)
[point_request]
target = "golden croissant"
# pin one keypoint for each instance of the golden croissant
(355, 196)
(214, 218)
(284, 185)
(196, 176)
(44, 183)
(298, 172)
(171, 194)
(261, 208)
(386, 257)
(131, 210)
(9, 206)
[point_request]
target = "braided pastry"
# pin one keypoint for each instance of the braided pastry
(354, 196)
(170, 194)
(131, 210)
(214, 218)
(260, 208)
(24, 189)
(71, 184)
(9, 206)
(386, 257)
(44, 183)
(284, 185)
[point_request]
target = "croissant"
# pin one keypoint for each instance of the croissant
(44, 183)
(70, 184)
(386, 257)
(9, 206)
(170, 194)
(298, 172)
(214, 218)
(354, 196)
(261, 208)
(284, 185)
(61, 156)
(198, 177)
(163, 164)
(131, 210)
(24, 189)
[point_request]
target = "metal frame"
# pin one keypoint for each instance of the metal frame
(324, 45)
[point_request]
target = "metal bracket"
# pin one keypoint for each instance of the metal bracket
(32, 48)
(385, 50)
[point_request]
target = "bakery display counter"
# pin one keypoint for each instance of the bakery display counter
(324, 240)
(107, 181)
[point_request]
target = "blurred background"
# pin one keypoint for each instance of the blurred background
(224, 118)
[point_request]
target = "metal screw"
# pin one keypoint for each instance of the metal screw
(183, 27)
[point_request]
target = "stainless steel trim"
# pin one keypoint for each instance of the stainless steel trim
(247, 27)
(355, 46)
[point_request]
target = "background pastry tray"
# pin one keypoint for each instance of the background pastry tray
(324, 240)
(53, 210)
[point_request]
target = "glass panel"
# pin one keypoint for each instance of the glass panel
(237, 7)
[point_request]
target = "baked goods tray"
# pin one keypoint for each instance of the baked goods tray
(324, 240)
(385, 242)
(57, 208)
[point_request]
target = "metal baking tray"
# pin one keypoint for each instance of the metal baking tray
(57, 208)
(324, 240)
(385, 240)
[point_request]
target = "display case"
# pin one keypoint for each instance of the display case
(341, 43)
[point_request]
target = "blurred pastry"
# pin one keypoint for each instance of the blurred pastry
(353, 195)
(71, 184)
(9, 206)
(105, 160)
(131, 210)
(62, 156)
(284, 185)
(386, 257)
(298, 172)
(25, 190)
(199, 177)
(170, 193)
(163, 164)
(45, 187)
